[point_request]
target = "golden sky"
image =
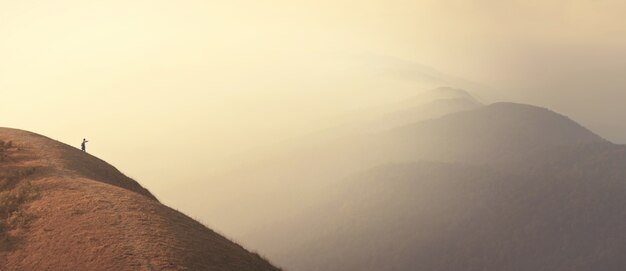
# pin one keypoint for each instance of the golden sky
(163, 88)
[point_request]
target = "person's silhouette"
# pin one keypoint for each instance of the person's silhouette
(82, 146)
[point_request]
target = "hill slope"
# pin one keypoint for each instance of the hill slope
(437, 216)
(67, 210)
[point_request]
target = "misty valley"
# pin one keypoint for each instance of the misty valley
(448, 184)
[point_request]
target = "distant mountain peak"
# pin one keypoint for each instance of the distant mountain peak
(441, 94)
(451, 90)
(530, 120)
(502, 133)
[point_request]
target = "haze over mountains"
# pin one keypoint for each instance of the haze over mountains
(427, 105)
(63, 209)
(503, 186)
(316, 161)
(439, 182)
(324, 135)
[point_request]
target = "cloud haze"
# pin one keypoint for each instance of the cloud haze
(167, 87)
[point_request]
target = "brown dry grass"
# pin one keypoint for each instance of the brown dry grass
(13, 195)
(15, 191)
(67, 210)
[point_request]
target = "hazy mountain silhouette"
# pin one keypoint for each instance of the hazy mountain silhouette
(512, 187)
(62, 209)
(426, 105)
(429, 105)
(440, 93)
(500, 133)
(435, 216)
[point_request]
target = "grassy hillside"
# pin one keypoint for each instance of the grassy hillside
(63, 209)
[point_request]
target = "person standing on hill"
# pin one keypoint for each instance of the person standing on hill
(82, 145)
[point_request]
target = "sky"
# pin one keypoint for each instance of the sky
(169, 91)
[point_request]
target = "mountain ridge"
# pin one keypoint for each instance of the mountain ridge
(499, 160)
(496, 133)
(67, 219)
